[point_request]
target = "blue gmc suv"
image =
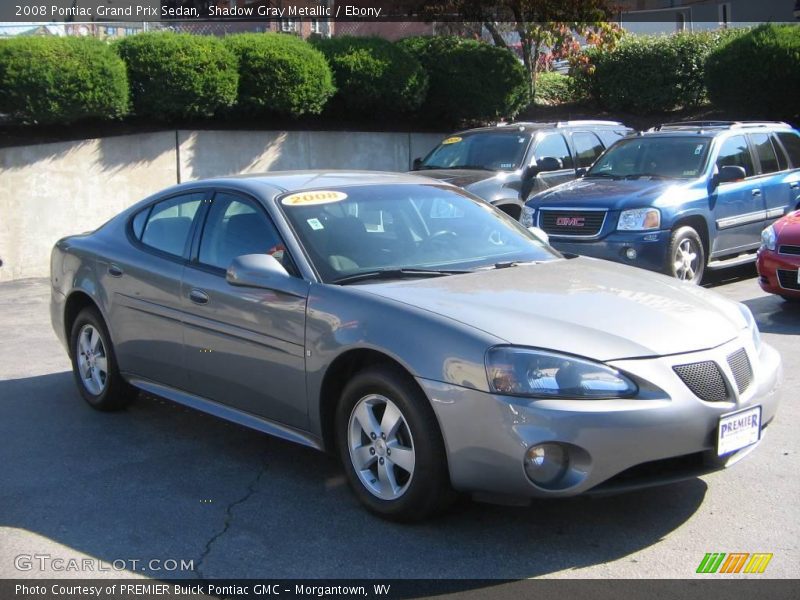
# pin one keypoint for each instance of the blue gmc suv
(678, 199)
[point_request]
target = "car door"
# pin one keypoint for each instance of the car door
(774, 177)
(552, 145)
(738, 206)
(143, 288)
(244, 347)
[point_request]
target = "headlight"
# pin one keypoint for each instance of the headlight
(639, 219)
(541, 374)
(768, 238)
(526, 218)
(751, 324)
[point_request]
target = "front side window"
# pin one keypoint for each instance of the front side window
(361, 229)
(587, 148)
(236, 226)
(168, 226)
(554, 146)
(655, 157)
(734, 153)
(494, 151)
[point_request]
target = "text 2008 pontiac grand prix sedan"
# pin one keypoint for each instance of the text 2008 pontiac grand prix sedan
(429, 339)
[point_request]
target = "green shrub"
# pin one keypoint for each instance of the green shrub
(757, 74)
(179, 75)
(280, 74)
(60, 80)
(469, 80)
(373, 75)
(553, 88)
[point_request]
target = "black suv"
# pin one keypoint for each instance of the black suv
(506, 164)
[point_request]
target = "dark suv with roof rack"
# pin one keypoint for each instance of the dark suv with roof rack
(679, 198)
(506, 164)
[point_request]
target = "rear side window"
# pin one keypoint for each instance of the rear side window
(554, 146)
(609, 136)
(766, 153)
(587, 148)
(170, 222)
(734, 153)
(791, 142)
(138, 222)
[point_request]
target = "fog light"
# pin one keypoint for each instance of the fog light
(546, 463)
(630, 254)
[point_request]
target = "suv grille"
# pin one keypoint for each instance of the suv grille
(583, 223)
(789, 250)
(705, 380)
(742, 371)
(788, 279)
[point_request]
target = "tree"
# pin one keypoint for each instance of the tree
(540, 24)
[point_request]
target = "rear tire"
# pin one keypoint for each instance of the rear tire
(382, 410)
(686, 259)
(94, 364)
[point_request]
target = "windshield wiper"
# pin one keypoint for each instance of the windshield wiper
(397, 274)
(602, 175)
(651, 175)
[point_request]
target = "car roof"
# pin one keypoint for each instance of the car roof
(533, 126)
(713, 128)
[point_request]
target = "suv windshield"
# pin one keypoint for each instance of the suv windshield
(405, 227)
(653, 156)
(493, 151)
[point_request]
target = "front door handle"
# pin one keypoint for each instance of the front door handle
(795, 185)
(198, 296)
(756, 193)
(114, 270)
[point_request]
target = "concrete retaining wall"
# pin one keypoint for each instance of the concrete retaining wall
(48, 191)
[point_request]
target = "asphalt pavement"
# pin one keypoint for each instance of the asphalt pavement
(162, 482)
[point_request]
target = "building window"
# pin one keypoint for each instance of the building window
(724, 13)
(316, 26)
(288, 25)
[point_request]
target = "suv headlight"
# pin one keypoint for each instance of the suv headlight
(639, 219)
(526, 218)
(515, 371)
(768, 238)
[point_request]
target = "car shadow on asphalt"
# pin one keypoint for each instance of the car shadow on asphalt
(160, 481)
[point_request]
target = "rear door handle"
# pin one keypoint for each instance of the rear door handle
(756, 192)
(114, 270)
(795, 185)
(198, 296)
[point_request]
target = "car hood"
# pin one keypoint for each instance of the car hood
(787, 229)
(584, 306)
(606, 193)
(458, 177)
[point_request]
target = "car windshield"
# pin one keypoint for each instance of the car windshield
(656, 157)
(494, 151)
(405, 230)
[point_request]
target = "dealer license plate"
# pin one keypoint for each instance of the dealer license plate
(738, 430)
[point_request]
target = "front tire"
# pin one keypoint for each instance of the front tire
(391, 447)
(94, 364)
(686, 259)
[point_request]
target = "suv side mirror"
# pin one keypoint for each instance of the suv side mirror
(731, 173)
(416, 164)
(256, 270)
(580, 172)
(543, 165)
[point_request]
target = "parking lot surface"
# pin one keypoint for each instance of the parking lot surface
(160, 482)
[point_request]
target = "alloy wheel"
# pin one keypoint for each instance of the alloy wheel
(92, 360)
(687, 259)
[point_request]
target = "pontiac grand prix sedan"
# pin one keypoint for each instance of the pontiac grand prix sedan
(423, 335)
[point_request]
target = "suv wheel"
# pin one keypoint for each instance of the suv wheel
(391, 447)
(94, 364)
(686, 259)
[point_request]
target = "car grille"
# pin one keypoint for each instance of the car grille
(705, 380)
(788, 279)
(789, 250)
(742, 371)
(579, 223)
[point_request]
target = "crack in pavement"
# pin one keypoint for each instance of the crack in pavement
(251, 489)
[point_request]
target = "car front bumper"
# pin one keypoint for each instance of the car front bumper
(650, 248)
(487, 435)
(768, 264)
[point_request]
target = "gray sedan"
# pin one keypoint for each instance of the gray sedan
(426, 337)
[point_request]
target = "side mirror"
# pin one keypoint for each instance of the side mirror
(580, 172)
(416, 164)
(731, 173)
(549, 163)
(540, 234)
(256, 270)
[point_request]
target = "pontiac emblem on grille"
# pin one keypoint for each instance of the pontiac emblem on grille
(571, 221)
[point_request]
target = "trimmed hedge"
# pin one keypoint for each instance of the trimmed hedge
(280, 74)
(61, 80)
(553, 89)
(179, 75)
(647, 74)
(469, 80)
(373, 75)
(758, 74)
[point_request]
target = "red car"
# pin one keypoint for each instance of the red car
(779, 258)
